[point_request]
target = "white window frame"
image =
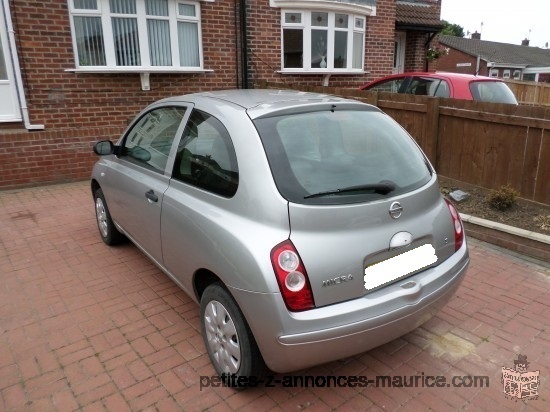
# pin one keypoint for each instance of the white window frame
(517, 74)
(103, 11)
(506, 74)
(494, 73)
(306, 27)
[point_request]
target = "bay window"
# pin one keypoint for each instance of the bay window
(322, 41)
(128, 35)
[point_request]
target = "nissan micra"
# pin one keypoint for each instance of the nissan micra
(308, 227)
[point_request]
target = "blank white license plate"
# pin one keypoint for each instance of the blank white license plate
(399, 266)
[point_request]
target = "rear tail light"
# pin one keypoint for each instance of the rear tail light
(292, 277)
(457, 225)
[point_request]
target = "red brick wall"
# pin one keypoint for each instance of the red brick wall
(449, 63)
(415, 52)
(53, 156)
(264, 33)
(380, 40)
(78, 109)
(60, 99)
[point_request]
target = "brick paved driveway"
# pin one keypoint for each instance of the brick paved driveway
(88, 327)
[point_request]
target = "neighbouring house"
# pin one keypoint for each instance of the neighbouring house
(489, 58)
(76, 71)
(416, 24)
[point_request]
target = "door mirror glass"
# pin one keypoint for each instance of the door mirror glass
(104, 147)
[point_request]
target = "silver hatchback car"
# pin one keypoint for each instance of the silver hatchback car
(308, 227)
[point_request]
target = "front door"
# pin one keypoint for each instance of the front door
(9, 107)
(136, 180)
(399, 53)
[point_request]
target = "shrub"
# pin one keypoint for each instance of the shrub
(502, 199)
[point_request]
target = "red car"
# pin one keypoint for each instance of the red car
(444, 84)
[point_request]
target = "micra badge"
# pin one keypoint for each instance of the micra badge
(337, 280)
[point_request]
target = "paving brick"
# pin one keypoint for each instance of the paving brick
(88, 327)
(139, 370)
(170, 405)
(96, 394)
(64, 401)
(116, 402)
(14, 397)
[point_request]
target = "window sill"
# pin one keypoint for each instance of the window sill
(322, 71)
(327, 74)
(144, 72)
(115, 70)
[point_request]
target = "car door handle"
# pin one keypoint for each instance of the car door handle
(151, 196)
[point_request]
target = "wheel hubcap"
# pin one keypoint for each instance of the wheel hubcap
(101, 215)
(222, 338)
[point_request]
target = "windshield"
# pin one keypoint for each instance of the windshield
(494, 92)
(338, 157)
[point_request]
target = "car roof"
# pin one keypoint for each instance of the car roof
(249, 98)
(457, 78)
(261, 102)
(448, 75)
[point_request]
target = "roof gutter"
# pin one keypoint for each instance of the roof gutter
(17, 70)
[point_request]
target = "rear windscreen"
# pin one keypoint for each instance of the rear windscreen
(494, 92)
(339, 157)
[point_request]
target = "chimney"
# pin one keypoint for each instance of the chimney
(476, 36)
(525, 42)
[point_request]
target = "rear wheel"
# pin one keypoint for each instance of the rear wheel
(107, 229)
(228, 339)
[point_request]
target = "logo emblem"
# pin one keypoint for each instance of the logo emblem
(396, 210)
(337, 280)
(518, 383)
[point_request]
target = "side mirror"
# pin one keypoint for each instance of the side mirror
(104, 147)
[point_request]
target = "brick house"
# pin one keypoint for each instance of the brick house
(75, 71)
(489, 58)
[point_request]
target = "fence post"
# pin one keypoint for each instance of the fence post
(431, 130)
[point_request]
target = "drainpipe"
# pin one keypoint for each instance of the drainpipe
(244, 45)
(17, 70)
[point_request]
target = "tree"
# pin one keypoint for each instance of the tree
(451, 29)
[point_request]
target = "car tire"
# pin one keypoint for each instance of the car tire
(230, 344)
(107, 229)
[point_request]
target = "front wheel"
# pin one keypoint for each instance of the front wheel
(228, 339)
(107, 229)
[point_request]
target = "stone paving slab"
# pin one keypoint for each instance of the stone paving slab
(92, 328)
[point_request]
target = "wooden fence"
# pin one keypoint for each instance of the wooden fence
(531, 93)
(484, 144)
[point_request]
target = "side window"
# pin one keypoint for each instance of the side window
(442, 89)
(422, 86)
(206, 157)
(149, 141)
(392, 85)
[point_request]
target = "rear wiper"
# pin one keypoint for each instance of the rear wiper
(382, 188)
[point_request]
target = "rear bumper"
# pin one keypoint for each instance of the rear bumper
(292, 341)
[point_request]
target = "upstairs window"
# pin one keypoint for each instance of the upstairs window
(322, 41)
(136, 34)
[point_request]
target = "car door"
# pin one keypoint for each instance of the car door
(205, 178)
(137, 179)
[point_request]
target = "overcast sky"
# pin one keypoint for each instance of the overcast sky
(505, 21)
